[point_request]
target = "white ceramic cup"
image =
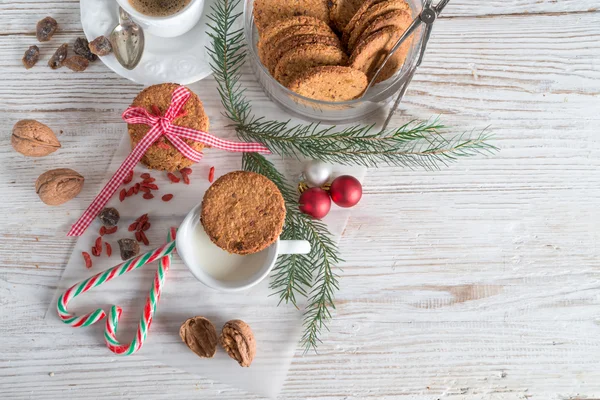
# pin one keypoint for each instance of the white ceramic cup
(195, 262)
(170, 26)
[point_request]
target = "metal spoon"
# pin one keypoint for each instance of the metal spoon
(127, 40)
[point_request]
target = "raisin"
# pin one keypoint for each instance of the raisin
(129, 248)
(31, 56)
(57, 59)
(109, 216)
(76, 63)
(100, 46)
(82, 47)
(45, 29)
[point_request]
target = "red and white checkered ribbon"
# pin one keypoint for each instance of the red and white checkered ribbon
(160, 126)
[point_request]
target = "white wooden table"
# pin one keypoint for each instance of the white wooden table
(480, 281)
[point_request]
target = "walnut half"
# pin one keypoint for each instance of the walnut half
(200, 335)
(238, 341)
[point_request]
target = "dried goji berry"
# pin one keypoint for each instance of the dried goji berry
(130, 192)
(186, 179)
(132, 227)
(186, 171)
(143, 218)
(108, 249)
(211, 174)
(145, 227)
(145, 175)
(138, 236)
(136, 188)
(173, 178)
(87, 259)
(167, 197)
(149, 180)
(148, 196)
(99, 242)
(122, 194)
(144, 238)
(102, 230)
(150, 186)
(110, 231)
(95, 252)
(144, 189)
(128, 178)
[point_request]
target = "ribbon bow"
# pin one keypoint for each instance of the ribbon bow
(159, 126)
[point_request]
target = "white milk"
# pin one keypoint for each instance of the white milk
(220, 264)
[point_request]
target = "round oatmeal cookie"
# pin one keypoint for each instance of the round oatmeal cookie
(330, 83)
(375, 11)
(271, 12)
(274, 29)
(342, 11)
(401, 19)
(243, 212)
(303, 57)
(365, 5)
(289, 43)
(372, 50)
(162, 155)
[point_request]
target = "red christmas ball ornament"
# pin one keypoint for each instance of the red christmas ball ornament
(315, 202)
(345, 191)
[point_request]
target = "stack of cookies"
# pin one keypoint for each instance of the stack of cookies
(330, 49)
(162, 155)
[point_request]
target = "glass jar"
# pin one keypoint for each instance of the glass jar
(376, 97)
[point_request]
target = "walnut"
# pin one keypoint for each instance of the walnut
(58, 186)
(33, 139)
(238, 341)
(200, 335)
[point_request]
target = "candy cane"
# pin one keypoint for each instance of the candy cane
(91, 318)
(114, 315)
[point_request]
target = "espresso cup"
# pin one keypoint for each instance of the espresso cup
(210, 264)
(166, 26)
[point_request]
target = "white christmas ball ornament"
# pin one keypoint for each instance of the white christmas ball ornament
(316, 173)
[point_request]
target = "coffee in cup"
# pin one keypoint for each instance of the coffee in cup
(159, 8)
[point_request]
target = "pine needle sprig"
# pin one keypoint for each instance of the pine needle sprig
(297, 274)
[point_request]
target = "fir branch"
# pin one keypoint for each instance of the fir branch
(227, 58)
(294, 273)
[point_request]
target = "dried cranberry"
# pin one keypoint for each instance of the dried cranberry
(31, 56)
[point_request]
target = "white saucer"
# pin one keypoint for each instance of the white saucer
(183, 59)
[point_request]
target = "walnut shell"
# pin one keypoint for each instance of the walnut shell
(58, 186)
(238, 341)
(200, 335)
(34, 139)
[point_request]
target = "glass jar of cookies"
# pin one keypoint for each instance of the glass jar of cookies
(316, 58)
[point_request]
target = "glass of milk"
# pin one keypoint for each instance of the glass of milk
(223, 271)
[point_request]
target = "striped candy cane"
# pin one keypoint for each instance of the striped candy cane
(162, 253)
(114, 315)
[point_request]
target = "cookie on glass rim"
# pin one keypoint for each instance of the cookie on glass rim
(243, 212)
